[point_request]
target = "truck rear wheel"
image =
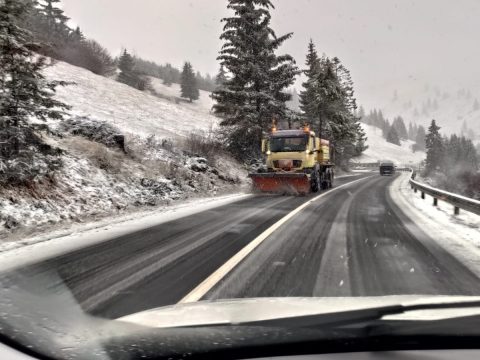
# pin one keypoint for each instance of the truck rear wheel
(315, 182)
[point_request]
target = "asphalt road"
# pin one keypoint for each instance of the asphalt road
(351, 242)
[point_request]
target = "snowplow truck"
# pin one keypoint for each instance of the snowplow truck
(296, 162)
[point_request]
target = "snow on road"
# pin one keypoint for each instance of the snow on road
(79, 236)
(459, 235)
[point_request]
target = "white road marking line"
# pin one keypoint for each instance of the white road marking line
(205, 286)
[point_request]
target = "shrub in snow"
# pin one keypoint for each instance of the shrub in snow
(98, 131)
(198, 164)
(9, 222)
(157, 187)
(202, 145)
(470, 184)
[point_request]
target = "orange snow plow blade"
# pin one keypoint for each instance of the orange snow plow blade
(280, 183)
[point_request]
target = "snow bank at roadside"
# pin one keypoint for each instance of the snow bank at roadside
(459, 235)
(68, 239)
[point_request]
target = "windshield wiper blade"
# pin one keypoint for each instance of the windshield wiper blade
(352, 317)
(341, 318)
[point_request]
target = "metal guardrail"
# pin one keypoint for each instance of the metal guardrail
(458, 201)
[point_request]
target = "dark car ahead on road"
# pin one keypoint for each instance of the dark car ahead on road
(387, 168)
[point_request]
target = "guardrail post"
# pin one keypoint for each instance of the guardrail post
(435, 201)
(423, 195)
(456, 210)
(415, 190)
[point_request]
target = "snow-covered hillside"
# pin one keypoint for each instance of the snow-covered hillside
(450, 107)
(101, 177)
(379, 149)
(130, 110)
(203, 105)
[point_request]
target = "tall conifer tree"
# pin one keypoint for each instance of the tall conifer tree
(255, 92)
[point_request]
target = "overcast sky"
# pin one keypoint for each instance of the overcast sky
(386, 44)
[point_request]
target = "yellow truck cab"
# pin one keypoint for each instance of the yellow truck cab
(295, 150)
(296, 159)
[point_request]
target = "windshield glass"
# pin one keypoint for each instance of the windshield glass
(171, 164)
(286, 144)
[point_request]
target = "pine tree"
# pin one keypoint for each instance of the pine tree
(380, 120)
(221, 77)
(374, 117)
(129, 75)
(435, 148)
(24, 91)
(385, 128)
(361, 141)
(400, 128)
(411, 131)
(392, 136)
(255, 92)
(168, 75)
(55, 29)
(328, 97)
(307, 96)
(189, 88)
(361, 113)
(469, 158)
(201, 83)
(420, 139)
(346, 83)
(126, 64)
(460, 155)
(76, 36)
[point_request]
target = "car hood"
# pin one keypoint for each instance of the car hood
(257, 309)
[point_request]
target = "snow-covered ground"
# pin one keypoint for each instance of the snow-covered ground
(98, 181)
(172, 93)
(449, 106)
(379, 149)
(459, 235)
(130, 110)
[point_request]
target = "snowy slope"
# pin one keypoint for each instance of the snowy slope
(379, 149)
(98, 181)
(450, 107)
(203, 105)
(129, 109)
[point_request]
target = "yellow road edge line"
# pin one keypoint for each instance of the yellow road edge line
(206, 285)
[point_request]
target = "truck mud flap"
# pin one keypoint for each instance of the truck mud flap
(281, 183)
